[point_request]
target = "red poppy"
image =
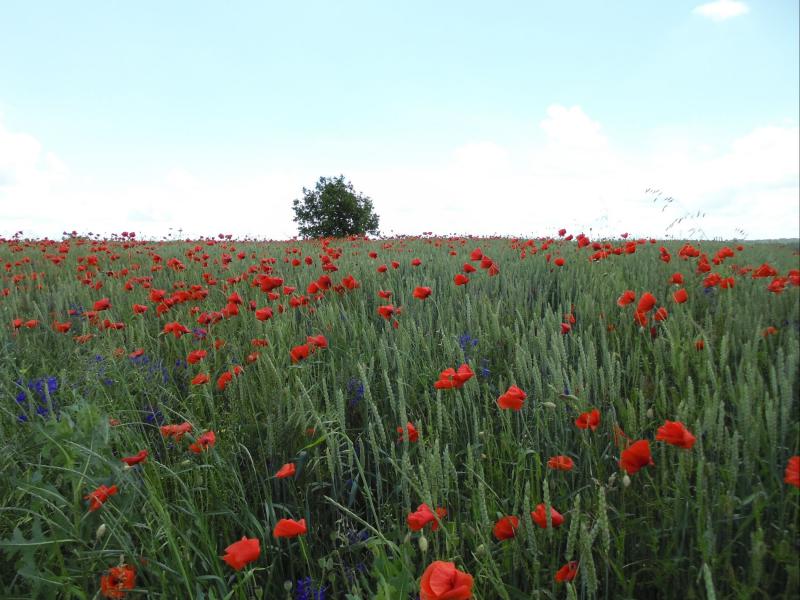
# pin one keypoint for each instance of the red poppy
(201, 379)
(588, 420)
(769, 331)
(416, 262)
(565, 328)
(98, 497)
(420, 517)
(539, 517)
(286, 471)
(676, 279)
(646, 302)
(512, 399)
(636, 456)
(506, 528)
(567, 572)
(699, 344)
(102, 304)
(384, 294)
(264, 314)
(243, 552)
(382, 269)
(559, 262)
(626, 298)
(450, 378)
(204, 442)
(468, 268)
(792, 473)
(680, 296)
(460, 279)
(561, 463)
(135, 459)
(118, 581)
(410, 430)
(676, 434)
(289, 528)
(387, 311)
(317, 341)
(661, 314)
(299, 353)
(62, 327)
(176, 431)
(442, 581)
(195, 356)
(224, 380)
(422, 292)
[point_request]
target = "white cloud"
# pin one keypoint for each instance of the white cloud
(721, 10)
(575, 177)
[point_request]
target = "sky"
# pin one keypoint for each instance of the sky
(512, 118)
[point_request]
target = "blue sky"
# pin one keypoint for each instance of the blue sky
(186, 114)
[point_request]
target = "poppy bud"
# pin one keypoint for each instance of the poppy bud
(480, 550)
(649, 413)
(612, 480)
(101, 531)
(287, 585)
(626, 481)
(407, 538)
(549, 404)
(423, 544)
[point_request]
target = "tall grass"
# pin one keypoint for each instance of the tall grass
(713, 521)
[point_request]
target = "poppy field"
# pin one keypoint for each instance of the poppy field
(425, 417)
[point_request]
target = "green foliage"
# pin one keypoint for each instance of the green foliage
(334, 209)
(717, 519)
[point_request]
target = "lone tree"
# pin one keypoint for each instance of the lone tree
(334, 209)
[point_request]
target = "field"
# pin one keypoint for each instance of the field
(355, 437)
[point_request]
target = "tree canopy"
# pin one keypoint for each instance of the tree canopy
(334, 209)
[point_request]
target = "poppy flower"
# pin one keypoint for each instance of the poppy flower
(468, 268)
(626, 298)
(176, 432)
(195, 356)
(299, 353)
(224, 380)
(422, 292)
(420, 517)
(559, 262)
(62, 327)
(135, 459)
(646, 302)
(286, 471)
(263, 314)
(118, 581)
(382, 269)
(675, 434)
(561, 463)
(318, 341)
(636, 456)
(204, 442)
(139, 309)
(792, 473)
(661, 314)
(200, 379)
(442, 581)
(416, 262)
(98, 497)
(769, 331)
(588, 420)
(699, 345)
(102, 304)
(243, 552)
(289, 528)
(450, 378)
(513, 398)
(680, 296)
(539, 516)
(384, 294)
(506, 528)
(387, 311)
(567, 572)
(460, 279)
(565, 328)
(413, 434)
(676, 279)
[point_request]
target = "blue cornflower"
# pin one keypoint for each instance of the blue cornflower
(306, 590)
(484, 371)
(355, 391)
(467, 342)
